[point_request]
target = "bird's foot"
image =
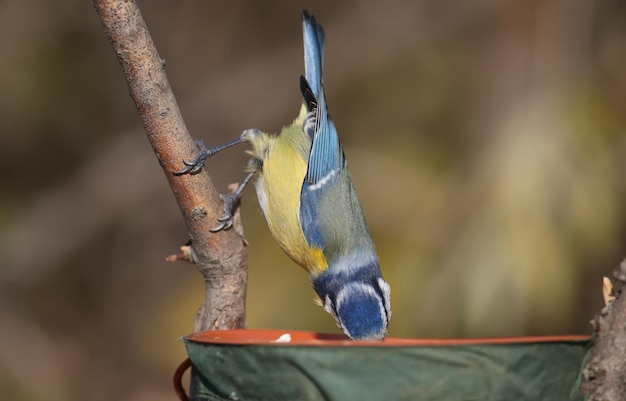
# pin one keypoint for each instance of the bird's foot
(194, 166)
(231, 203)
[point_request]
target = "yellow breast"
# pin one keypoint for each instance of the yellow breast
(278, 185)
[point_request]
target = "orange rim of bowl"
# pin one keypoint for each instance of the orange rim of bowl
(308, 338)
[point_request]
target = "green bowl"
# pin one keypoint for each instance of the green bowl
(282, 365)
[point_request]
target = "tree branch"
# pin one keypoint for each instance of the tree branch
(220, 257)
(604, 374)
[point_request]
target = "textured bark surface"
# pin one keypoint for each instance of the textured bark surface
(604, 375)
(220, 257)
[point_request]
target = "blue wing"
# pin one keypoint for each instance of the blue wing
(326, 153)
(326, 159)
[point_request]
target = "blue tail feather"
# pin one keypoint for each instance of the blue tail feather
(313, 51)
(326, 153)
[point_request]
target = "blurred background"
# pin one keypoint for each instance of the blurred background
(486, 140)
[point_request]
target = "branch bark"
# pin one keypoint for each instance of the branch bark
(604, 374)
(221, 256)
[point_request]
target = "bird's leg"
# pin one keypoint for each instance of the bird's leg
(194, 166)
(231, 203)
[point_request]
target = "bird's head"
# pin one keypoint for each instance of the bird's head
(362, 309)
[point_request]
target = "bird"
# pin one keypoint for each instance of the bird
(310, 203)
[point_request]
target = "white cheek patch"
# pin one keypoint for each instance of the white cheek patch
(386, 290)
(328, 307)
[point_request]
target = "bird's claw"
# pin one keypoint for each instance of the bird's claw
(231, 203)
(194, 166)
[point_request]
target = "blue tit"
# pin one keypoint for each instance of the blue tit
(311, 206)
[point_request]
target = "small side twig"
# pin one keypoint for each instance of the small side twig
(220, 257)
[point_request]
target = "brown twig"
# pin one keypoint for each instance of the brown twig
(220, 257)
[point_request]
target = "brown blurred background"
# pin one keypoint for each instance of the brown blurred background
(486, 140)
